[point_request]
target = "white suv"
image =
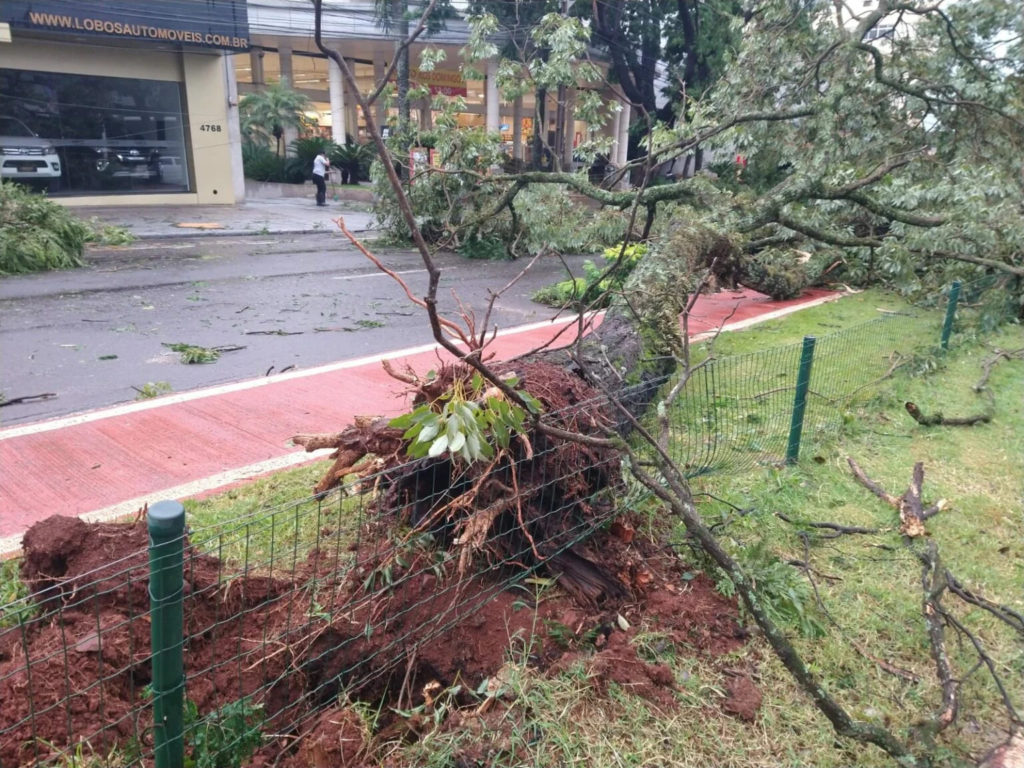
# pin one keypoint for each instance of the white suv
(24, 156)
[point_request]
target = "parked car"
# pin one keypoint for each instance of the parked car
(172, 171)
(26, 156)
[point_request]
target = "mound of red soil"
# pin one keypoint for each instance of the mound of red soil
(78, 670)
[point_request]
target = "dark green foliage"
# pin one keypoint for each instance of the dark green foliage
(477, 247)
(594, 289)
(783, 592)
(266, 113)
(262, 164)
(226, 738)
(353, 160)
(779, 273)
(37, 234)
(308, 147)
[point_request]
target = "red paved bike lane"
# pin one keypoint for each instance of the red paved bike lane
(107, 463)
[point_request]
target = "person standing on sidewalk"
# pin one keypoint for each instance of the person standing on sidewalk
(320, 166)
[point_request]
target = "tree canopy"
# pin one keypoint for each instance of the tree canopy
(889, 140)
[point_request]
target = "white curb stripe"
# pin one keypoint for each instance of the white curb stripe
(239, 386)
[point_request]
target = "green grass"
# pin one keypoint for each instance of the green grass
(874, 586)
(269, 526)
(14, 608)
(735, 412)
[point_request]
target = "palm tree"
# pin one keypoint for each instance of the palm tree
(268, 112)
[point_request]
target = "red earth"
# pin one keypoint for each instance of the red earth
(78, 671)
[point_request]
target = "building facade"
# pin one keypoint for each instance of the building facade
(122, 102)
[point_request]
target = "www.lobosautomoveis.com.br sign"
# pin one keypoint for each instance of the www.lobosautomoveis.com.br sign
(203, 23)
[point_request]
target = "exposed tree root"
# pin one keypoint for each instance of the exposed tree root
(367, 437)
(531, 503)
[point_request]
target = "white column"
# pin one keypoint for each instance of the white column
(284, 59)
(613, 154)
(569, 130)
(623, 130)
(336, 88)
(378, 75)
(517, 128)
(234, 129)
(493, 106)
(256, 64)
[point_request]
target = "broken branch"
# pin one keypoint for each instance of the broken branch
(937, 419)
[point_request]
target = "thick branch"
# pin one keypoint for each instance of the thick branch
(933, 583)
(679, 190)
(871, 485)
(833, 238)
(937, 419)
(1002, 266)
(839, 529)
(892, 212)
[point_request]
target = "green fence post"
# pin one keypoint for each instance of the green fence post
(803, 382)
(166, 579)
(947, 325)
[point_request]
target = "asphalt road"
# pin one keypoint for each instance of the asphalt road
(94, 336)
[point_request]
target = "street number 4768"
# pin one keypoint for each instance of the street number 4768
(211, 127)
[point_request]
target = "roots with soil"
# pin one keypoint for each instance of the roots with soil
(528, 503)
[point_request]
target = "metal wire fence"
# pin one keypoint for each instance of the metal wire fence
(342, 597)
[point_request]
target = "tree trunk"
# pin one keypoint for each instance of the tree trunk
(540, 123)
(399, 11)
(639, 341)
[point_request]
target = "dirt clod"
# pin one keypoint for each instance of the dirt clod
(743, 699)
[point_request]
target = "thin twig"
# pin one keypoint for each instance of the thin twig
(840, 529)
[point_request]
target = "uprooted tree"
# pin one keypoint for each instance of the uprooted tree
(885, 169)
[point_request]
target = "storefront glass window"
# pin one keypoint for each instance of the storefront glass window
(86, 134)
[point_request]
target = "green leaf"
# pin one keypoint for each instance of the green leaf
(429, 431)
(452, 429)
(439, 446)
(456, 443)
(401, 422)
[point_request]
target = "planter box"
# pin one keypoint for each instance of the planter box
(268, 190)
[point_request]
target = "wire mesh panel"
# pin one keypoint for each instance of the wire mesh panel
(734, 411)
(71, 654)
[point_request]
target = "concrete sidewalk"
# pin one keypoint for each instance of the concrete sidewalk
(254, 216)
(107, 463)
